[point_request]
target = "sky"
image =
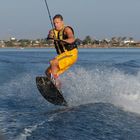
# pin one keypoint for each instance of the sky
(28, 19)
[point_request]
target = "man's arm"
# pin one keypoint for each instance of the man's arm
(68, 31)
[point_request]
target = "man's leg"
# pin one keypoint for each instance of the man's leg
(54, 67)
(51, 72)
(48, 72)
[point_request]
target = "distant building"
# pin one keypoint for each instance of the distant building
(12, 39)
(128, 41)
(2, 44)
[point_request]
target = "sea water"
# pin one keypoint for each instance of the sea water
(102, 90)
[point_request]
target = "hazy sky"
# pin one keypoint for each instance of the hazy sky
(97, 18)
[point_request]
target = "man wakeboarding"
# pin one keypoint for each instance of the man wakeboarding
(66, 48)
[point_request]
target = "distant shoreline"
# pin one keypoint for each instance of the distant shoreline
(80, 46)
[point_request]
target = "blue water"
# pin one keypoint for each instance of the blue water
(102, 90)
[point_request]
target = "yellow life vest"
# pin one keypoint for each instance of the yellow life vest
(60, 46)
(59, 34)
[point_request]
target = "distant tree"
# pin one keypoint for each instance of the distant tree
(50, 42)
(44, 41)
(24, 42)
(131, 39)
(9, 44)
(119, 39)
(87, 40)
(79, 41)
(114, 41)
(104, 41)
(124, 38)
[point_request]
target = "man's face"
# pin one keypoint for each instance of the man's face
(58, 23)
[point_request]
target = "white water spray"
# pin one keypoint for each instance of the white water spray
(108, 86)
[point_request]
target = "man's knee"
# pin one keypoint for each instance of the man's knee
(54, 62)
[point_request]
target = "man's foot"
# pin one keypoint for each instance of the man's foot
(58, 83)
(48, 75)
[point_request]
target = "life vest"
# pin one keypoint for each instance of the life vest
(61, 46)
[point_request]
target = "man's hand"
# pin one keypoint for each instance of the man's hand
(51, 35)
(61, 41)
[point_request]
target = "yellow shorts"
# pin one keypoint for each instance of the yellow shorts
(66, 60)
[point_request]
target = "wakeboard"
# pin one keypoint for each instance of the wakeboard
(49, 91)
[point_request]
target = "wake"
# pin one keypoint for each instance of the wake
(79, 87)
(106, 86)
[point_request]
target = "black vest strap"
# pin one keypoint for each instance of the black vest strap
(62, 46)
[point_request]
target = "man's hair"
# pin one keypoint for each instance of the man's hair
(58, 16)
